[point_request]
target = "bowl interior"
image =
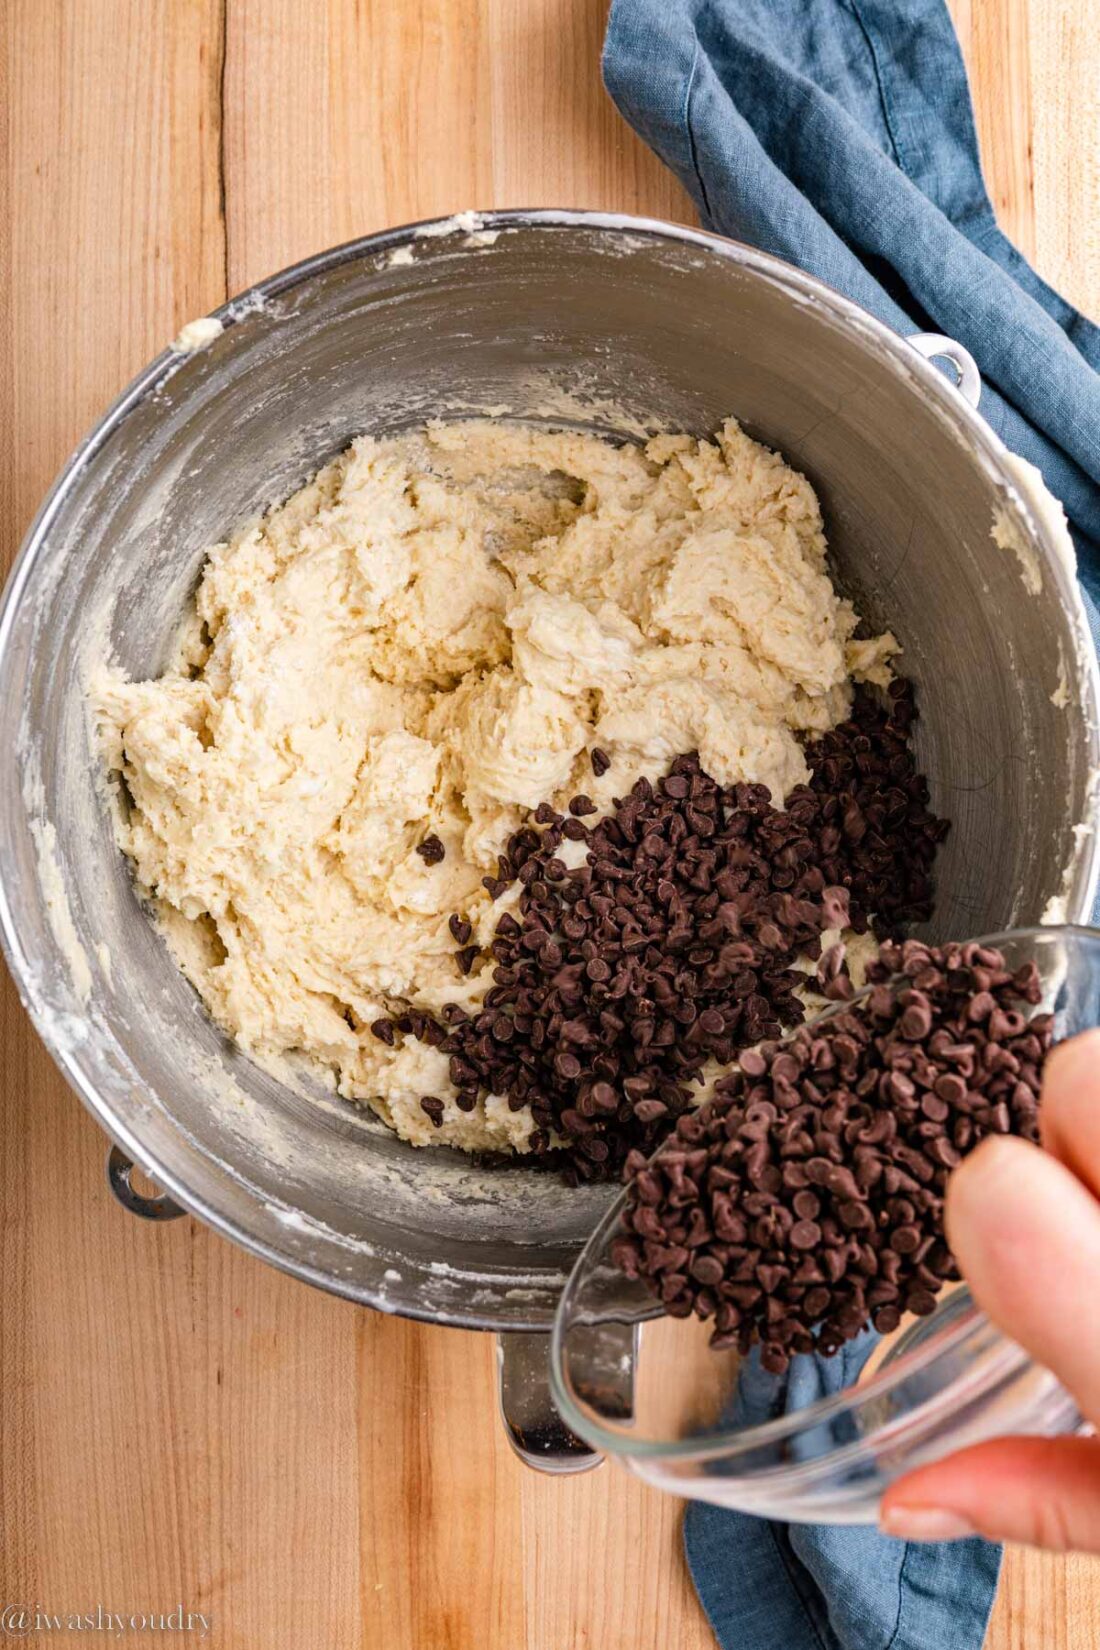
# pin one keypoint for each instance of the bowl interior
(826, 1438)
(620, 328)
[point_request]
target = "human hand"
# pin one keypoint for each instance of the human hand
(1024, 1224)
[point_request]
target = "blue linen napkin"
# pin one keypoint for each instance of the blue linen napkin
(838, 134)
(770, 1586)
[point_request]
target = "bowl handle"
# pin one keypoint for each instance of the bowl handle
(119, 1169)
(535, 1430)
(935, 347)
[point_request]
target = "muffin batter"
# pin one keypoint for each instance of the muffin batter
(428, 640)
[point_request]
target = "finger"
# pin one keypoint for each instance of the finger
(1026, 1234)
(1044, 1492)
(1069, 1116)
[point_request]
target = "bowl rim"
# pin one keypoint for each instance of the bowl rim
(972, 1325)
(447, 236)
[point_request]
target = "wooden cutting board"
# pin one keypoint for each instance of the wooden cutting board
(180, 1425)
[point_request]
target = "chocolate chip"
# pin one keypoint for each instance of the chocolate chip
(434, 1109)
(707, 1269)
(674, 942)
(431, 850)
(600, 762)
(604, 1098)
(916, 1021)
(815, 1176)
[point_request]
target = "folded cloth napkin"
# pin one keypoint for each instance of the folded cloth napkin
(771, 1586)
(838, 134)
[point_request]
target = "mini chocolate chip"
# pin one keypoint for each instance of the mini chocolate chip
(673, 943)
(866, 1244)
(805, 1234)
(431, 850)
(916, 1021)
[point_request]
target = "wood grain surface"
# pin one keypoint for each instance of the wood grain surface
(179, 1424)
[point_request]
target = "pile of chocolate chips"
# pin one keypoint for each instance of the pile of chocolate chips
(672, 943)
(805, 1200)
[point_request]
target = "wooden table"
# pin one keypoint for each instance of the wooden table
(178, 1422)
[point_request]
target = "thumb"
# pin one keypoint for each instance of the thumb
(1026, 1234)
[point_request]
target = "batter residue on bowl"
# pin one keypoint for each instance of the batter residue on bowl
(426, 642)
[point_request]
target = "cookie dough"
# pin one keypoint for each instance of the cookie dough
(430, 638)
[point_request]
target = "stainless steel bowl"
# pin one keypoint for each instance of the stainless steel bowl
(611, 324)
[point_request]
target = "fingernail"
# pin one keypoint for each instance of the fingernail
(924, 1524)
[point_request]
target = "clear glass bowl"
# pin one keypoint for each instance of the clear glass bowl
(648, 1390)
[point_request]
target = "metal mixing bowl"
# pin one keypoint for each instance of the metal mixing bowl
(611, 324)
